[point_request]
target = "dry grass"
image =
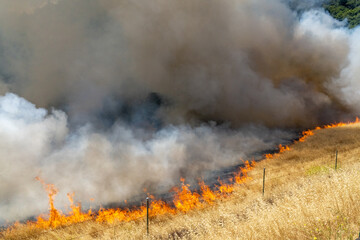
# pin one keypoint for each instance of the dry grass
(304, 199)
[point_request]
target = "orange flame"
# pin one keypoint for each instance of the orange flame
(242, 175)
(184, 200)
(306, 134)
(224, 188)
(207, 194)
(281, 149)
(56, 218)
(341, 124)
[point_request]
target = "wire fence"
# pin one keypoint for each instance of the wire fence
(255, 181)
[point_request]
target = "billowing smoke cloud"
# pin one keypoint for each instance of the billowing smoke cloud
(107, 166)
(347, 85)
(139, 93)
(212, 60)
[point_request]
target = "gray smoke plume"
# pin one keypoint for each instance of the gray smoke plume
(107, 166)
(213, 60)
(122, 95)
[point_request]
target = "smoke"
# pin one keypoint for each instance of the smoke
(212, 60)
(305, 5)
(347, 85)
(122, 95)
(111, 165)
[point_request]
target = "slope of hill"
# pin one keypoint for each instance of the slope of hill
(345, 9)
(305, 198)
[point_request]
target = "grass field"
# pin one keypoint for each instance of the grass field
(305, 198)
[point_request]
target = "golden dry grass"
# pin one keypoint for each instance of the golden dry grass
(305, 198)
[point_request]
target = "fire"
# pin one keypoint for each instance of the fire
(184, 198)
(208, 196)
(242, 175)
(341, 124)
(224, 188)
(281, 149)
(122, 215)
(56, 218)
(306, 134)
(159, 207)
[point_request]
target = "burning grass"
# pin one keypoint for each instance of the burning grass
(304, 199)
(184, 201)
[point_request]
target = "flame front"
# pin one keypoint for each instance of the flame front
(184, 199)
(306, 134)
(56, 218)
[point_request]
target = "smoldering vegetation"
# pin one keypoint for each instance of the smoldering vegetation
(122, 95)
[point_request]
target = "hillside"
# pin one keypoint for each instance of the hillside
(345, 9)
(305, 198)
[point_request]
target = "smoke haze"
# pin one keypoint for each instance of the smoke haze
(103, 98)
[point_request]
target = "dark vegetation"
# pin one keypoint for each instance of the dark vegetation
(345, 9)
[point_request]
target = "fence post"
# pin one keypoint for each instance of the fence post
(336, 157)
(147, 215)
(263, 190)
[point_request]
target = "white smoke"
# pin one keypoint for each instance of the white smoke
(347, 85)
(107, 166)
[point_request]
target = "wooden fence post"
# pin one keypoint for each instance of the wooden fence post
(147, 215)
(263, 190)
(336, 158)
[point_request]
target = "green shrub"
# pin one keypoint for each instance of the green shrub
(317, 170)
